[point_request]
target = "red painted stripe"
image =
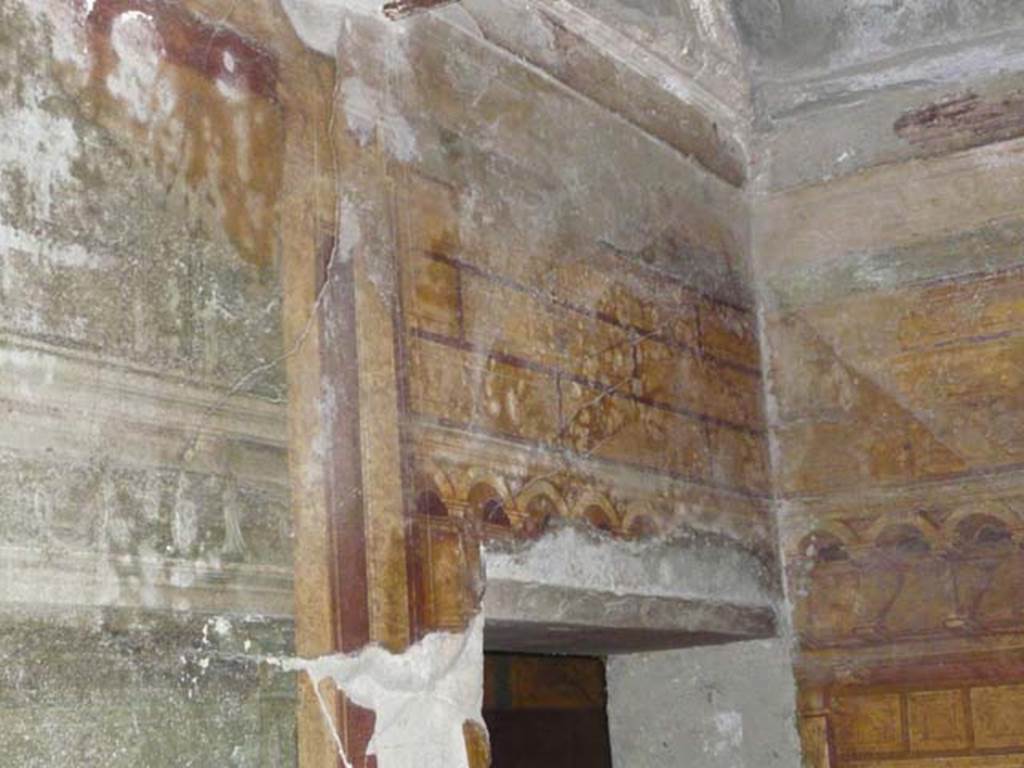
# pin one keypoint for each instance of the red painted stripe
(195, 43)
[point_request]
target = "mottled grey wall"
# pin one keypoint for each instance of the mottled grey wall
(791, 34)
(145, 542)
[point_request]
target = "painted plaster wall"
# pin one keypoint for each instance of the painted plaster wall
(892, 320)
(839, 87)
(140, 286)
(716, 707)
(804, 36)
(147, 543)
(889, 264)
(147, 546)
(574, 294)
(872, 421)
(552, 311)
(145, 551)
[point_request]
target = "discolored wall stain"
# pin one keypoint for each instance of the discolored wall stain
(143, 474)
(963, 121)
(203, 100)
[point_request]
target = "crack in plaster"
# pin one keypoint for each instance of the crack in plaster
(295, 347)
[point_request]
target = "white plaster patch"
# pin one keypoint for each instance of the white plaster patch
(136, 80)
(360, 107)
(229, 90)
(185, 524)
(222, 626)
(365, 109)
(421, 697)
(400, 139)
(69, 40)
(41, 147)
(727, 737)
(27, 371)
(708, 18)
(228, 84)
(67, 254)
(868, 269)
(349, 235)
(318, 22)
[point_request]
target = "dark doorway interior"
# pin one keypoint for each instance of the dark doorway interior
(546, 711)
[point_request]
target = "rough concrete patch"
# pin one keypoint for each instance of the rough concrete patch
(123, 688)
(694, 567)
(732, 706)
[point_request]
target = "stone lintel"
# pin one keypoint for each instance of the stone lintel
(541, 618)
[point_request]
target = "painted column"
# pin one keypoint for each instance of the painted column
(380, 688)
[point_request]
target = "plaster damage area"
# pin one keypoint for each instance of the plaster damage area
(578, 591)
(421, 697)
(692, 567)
(319, 23)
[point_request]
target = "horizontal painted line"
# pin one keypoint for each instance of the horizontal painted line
(860, 490)
(966, 341)
(82, 353)
(886, 640)
(602, 316)
(974, 276)
(868, 760)
(428, 420)
(519, 362)
(967, 241)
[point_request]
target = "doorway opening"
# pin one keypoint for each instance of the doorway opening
(546, 711)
